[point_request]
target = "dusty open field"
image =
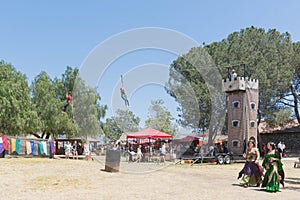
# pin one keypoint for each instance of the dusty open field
(36, 178)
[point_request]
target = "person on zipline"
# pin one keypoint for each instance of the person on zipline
(124, 96)
(69, 98)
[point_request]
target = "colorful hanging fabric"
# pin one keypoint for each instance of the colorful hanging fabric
(32, 147)
(28, 148)
(5, 143)
(41, 147)
(52, 148)
(36, 148)
(18, 145)
(45, 147)
(23, 147)
(12, 145)
(1, 145)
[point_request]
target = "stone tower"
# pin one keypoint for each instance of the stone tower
(242, 104)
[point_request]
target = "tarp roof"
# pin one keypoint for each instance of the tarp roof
(189, 138)
(149, 133)
(90, 139)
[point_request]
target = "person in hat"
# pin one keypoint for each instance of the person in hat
(252, 171)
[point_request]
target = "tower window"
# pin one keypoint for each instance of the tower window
(236, 143)
(236, 104)
(252, 105)
(235, 123)
(252, 124)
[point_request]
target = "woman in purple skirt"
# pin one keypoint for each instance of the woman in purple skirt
(252, 171)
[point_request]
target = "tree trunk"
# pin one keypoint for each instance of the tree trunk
(43, 134)
(47, 136)
(36, 135)
(210, 136)
(294, 93)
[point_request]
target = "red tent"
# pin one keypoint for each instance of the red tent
(189, 138)
(149, 133)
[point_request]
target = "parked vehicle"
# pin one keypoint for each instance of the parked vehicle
(214, 154)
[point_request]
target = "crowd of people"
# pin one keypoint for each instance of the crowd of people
(153, 152)
(270, 173)
(72, 150)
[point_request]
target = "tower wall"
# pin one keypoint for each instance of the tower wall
(242, 104)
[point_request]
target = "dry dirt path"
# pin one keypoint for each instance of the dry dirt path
(36, 178)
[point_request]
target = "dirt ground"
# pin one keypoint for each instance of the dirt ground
(41, 178)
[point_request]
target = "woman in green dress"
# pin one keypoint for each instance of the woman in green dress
(274, 174)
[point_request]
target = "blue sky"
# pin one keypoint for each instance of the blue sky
(50, 35)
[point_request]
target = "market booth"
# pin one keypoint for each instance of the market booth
(147, 136)
(187, 145)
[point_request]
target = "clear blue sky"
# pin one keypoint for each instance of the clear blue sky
(50, 35)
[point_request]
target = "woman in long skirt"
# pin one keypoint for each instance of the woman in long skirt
(274, 172)
(252, 172)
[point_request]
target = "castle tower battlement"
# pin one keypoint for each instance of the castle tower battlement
(239, 83)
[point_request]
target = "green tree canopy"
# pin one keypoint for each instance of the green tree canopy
(159, 117)
(269, 58)
(17, 114)
(25, 110)
(290, 98)
(87, 109)
(49, 108)
(195, 83)
(283, 116)
(123, 121)
(127, 120)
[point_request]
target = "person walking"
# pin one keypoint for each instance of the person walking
(68, 148)
(75, 150)
(87, 150)
(274, 171)
(131, 153)
(163, 152)
(252, 172)
(139, 154)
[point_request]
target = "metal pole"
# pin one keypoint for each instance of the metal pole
(228, 72)
(122, 80)
(244, 70)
